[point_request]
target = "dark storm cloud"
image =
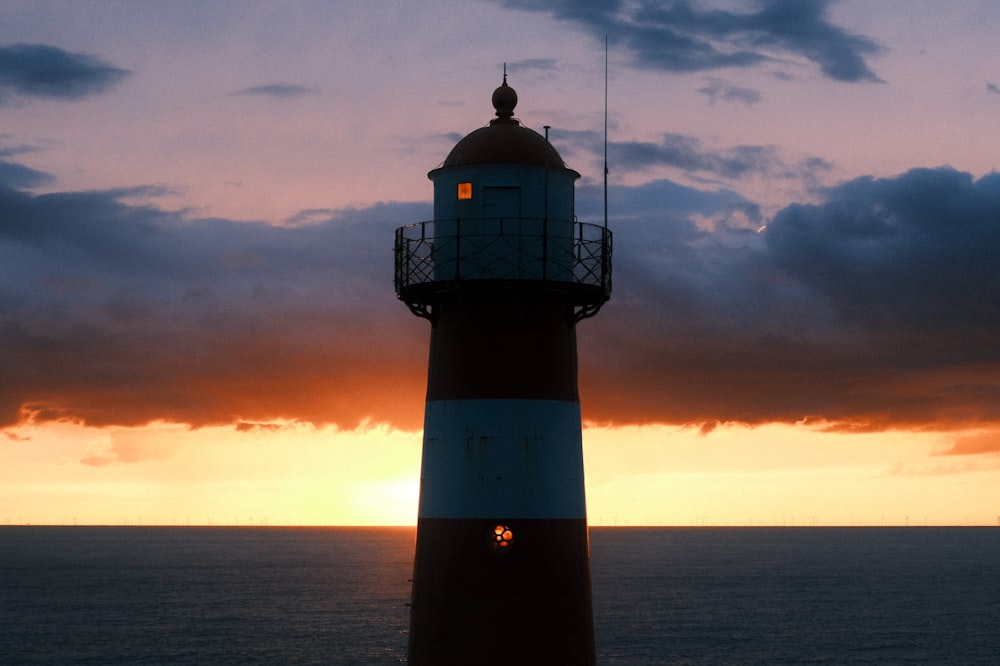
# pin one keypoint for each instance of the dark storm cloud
(38, 70)
(876, 308)
(682, 36)
(277, 90)
(18, 175)
(917, 253)
(118, 314)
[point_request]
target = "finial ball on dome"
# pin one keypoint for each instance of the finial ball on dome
(504, 100)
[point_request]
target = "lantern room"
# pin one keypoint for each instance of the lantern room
(503, 216)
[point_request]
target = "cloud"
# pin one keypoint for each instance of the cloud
(719, 90)
(688, 154)
(539, 64)
(99, 453)
(277, 90)
(110, 448)
(971, 445)
(12, 150)
(18, 175)
(685, 36)
(246, 426)
(38, 70)
(993, 88)
(874, 308)
(913, 255)
(697, 161)
(115, 314)
(638, 205)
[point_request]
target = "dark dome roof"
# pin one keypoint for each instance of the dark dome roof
(504, 140)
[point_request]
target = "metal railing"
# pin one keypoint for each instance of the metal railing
(560, 255)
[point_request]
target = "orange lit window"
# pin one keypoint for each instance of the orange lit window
(465, 190)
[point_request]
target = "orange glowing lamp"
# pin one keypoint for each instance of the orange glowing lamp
(502, 536)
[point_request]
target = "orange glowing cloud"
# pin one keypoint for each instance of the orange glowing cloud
(977, 444)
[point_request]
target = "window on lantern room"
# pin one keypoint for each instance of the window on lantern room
(464, 191)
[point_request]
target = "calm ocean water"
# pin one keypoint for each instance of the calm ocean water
(289, 596)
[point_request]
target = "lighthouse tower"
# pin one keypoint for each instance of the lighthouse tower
(503, 273)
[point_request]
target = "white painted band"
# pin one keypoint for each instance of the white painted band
(502, 459)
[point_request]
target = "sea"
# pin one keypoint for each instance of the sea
(338, 596)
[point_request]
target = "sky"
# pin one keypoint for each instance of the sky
(197, 206)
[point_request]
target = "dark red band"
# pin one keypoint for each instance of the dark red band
(524, 348)
(501, 592)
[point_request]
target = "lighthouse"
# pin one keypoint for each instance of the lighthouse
(504, 272)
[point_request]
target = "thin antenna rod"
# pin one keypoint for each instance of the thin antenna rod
(605, 131)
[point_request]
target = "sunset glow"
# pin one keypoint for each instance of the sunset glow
(197, 317)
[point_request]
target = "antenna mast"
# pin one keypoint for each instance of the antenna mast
(605, 131)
